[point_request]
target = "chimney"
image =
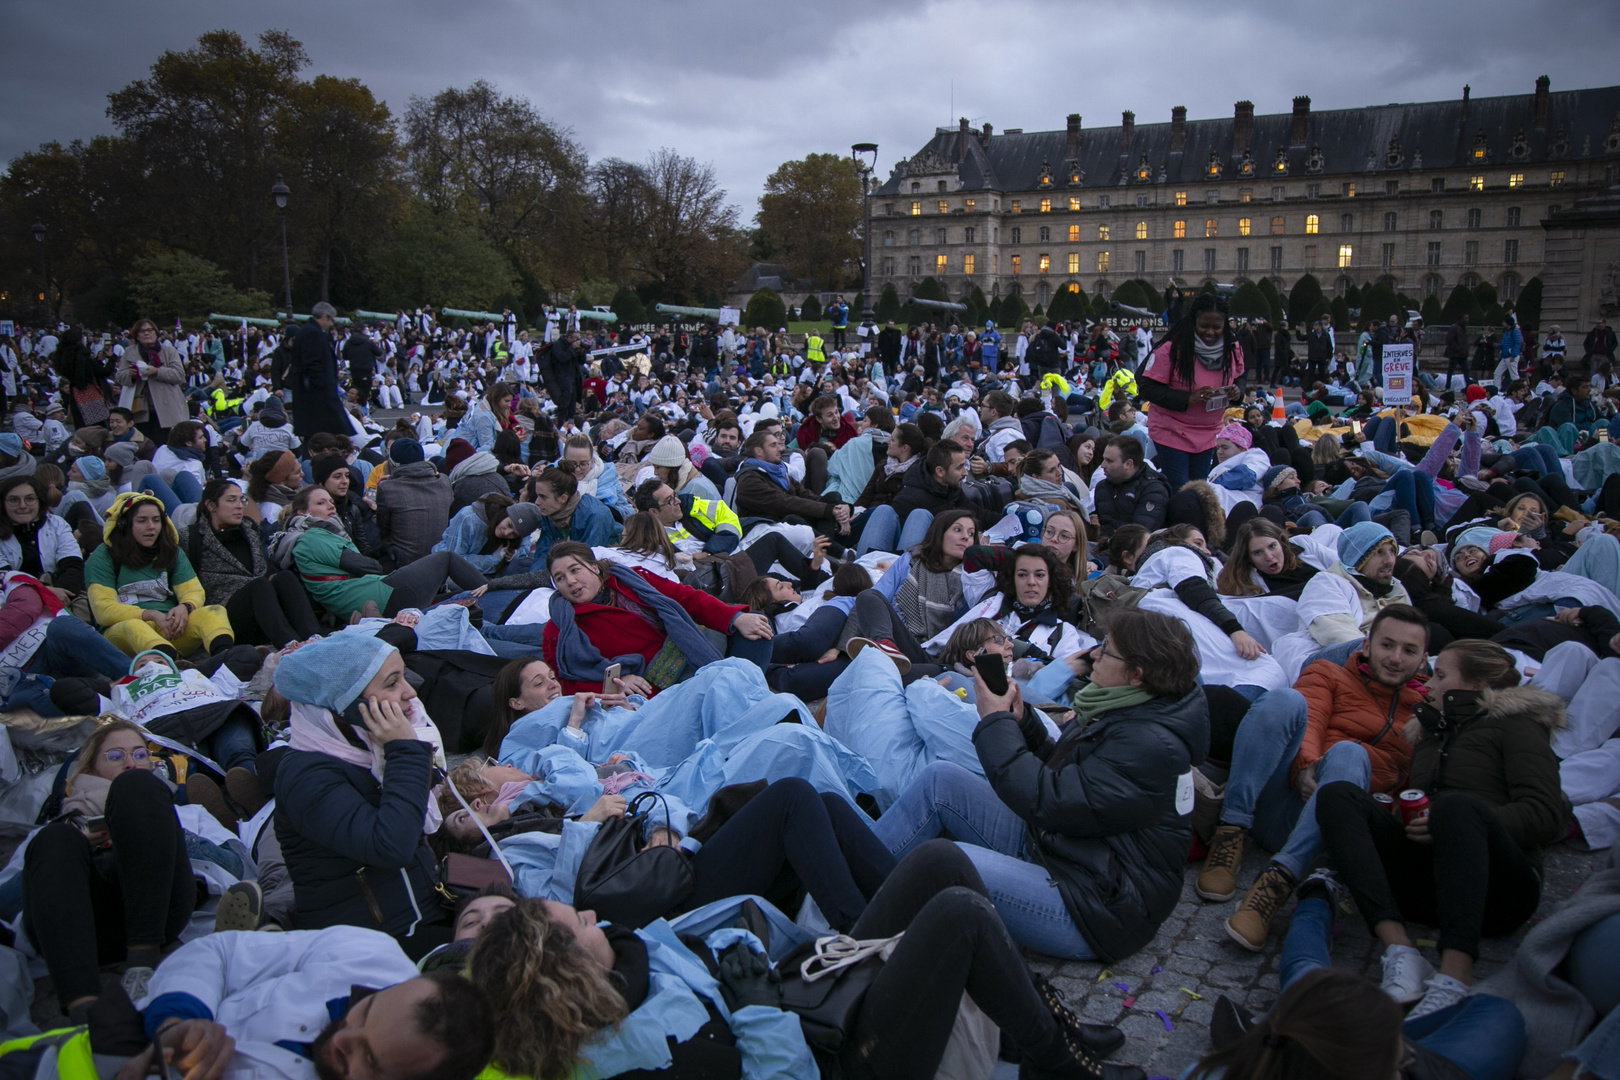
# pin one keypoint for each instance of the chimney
(1302, 121)
(1466, 90)
(1242, 128)
(1542, 84)
(1071, 144)
(1178, 129)
(962, 140)
(988, 130)
(1127, 125)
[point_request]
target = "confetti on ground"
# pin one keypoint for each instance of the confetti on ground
(1189, 993)
(1122, 987)
(1168, 1026)
(1104, 975)
(1427, 943)
(1130, 1002)
(1155, 971)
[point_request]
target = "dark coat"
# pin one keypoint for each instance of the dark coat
(920, 491)
(1457, 342)
(759, 496)
(361, 354)
(1099, 808)
(413, 511)
(1143, 499)
(317, 398)
(337, 823)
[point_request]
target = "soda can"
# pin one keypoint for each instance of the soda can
(1386, 801)
(1414, 805)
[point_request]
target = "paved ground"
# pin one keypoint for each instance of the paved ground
(1192, 953)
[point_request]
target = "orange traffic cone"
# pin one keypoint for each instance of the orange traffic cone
(1277, 412)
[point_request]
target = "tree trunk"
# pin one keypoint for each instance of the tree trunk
(326, 274)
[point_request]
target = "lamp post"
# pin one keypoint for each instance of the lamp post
(44, 275)
(859, 153)
(279, 192)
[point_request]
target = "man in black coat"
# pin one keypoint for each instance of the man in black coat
(361, 354)
(317, 396)
(705, 350)
(559, 370)
(1130, 493)
(1456, 351)
(1045, 352)
(889, 340)
(1318, 352)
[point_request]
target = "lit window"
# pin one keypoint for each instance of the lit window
(944, 208)
(1141, 230)
(968, 205)
(1181, 198)
(1074, 234)
(1246, 195)
(1276, 226)
(1350, 190)
(1102, 262)
(1479, 153)
(1045, 263)
(1516, 179)
(1074, 202)
(1017, 265)
(1476, 183)
(916, 209)
(1074, 262)
(1345, 252)
(1556, 179)
(1209, 226)
(1102, 232)
(1017, 207)
(1046, 206)
(1244, 225)
(1179, 229)
(941, 265)
(967, 264)
(1312, 224)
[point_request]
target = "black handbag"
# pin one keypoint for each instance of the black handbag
(624, 881)
(826, 988)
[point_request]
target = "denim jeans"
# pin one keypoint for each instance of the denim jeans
(1179, 466)
(1414, 493)
(882, 530)
(1481, 1034)
(1383, 432)
(1538, 456)
(1354, 513)
(1259, 795)
(949, 798)
(71, 648)
(235, 743)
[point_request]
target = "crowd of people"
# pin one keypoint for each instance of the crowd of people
(746, 704)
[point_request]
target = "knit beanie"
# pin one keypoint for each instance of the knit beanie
(331, 673)
(1475, 393)
(324, 465)
(405, 452)
(1484, 537)
(525, 518)
(1275, 477)
(1359, 540)
(458, 451)
(91, 467)
(1237, 433)
(123, 453)
(668, 451)
(11, 443)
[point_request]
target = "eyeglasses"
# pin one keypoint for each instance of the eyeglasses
(673, 500)
(115, 756)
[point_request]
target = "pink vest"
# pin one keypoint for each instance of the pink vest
(1193, 430)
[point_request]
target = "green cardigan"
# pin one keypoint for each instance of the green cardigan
(316, 555)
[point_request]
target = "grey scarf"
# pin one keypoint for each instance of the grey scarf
(928, 601)
(1033, 487)
(1212, 357)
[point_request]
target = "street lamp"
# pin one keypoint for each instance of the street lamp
(279, 192)
(859, 153)
(44, 275)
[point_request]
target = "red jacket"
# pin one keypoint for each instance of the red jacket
(616, 631)
(810, 432)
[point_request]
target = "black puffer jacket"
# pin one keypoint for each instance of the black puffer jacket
(1100, 810)
(1144, 500)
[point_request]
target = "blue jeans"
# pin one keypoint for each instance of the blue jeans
(1483, 1035)
(1355, 512)
(1540, 457)
(1383, 431)
(235, 743)
(947, 797)
(71, 649)
(1259, 795)
(1179, 466)
(1414, 493)
(883, 531)
(1591, 969)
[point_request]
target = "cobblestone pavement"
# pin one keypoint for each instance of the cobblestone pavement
(1193, 956)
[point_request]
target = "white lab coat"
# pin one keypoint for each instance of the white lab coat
(268, 987)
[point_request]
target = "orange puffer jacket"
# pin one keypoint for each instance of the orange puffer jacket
(1346, 705)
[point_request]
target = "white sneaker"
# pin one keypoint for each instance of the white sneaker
(134, 982)
(1405, 973)
(1442, 991)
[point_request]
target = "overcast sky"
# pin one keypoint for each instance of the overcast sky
(750, 85)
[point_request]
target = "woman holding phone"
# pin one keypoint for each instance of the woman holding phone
(1189, 381)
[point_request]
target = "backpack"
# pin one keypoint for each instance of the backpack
(1101, 597)
(988, 496)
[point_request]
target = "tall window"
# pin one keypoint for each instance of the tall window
(1046, 234)
(1016, 206)
(1074, 262)
(1386, 257)
(1246, 195)
(914, 266)
(1141, 230)
(1276, 226)
(1471, 253)
(1476, 183)
(1345, 253)
(1102, 232)
(1516, 179)
(1277, 194)
(941, 265)
(1310, 255)
(1556, 178)
(1045, 264)
(967, 263)
(1102, 202)
(1102, 262)
(1209, 227)
(1348, 189)
(1473, 219)
(1243, 260)
(1313, 224)
(914, 237)
(1313, 191)
(1209, 260)
(888, 266)
(1437, 219)
(888, 238)
(939, 236)
(1434, 253)
(1046, 206)
(1017, 235)
(1181, 198)
(1178, 230)
(1074, 202)
(1390, 220)
(1347, 223)
(1212, 196)
(1017, 265)
(1276, 258)
(1513, 216)
(1437, 185)
(916, 209)
(944, 207)
(1178, 260)
(1510, 251)
(1244, 225)
(1392, 187)
(1141, 262)
(1074, 234)
(1431, 285)
(968, 205)
(967, 235)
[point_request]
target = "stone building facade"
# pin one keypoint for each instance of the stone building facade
(1424, 196)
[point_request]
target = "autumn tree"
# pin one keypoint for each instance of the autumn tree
(811, 209)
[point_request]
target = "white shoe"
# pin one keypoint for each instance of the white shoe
(1405, 973)
(1441, 992)
(134, 982)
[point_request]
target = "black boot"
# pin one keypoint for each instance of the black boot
(1102, 1038)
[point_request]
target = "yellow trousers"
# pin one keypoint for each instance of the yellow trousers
(137, 635)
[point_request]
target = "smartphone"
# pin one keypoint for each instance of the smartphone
(608, 686)
(1603, 434)
(994, 669)
(95, 830)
